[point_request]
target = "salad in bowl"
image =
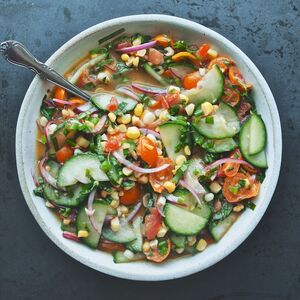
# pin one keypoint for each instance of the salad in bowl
(163, 160)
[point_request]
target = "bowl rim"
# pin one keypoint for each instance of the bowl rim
(276, 127)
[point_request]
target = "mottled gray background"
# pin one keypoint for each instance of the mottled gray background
(266, 266)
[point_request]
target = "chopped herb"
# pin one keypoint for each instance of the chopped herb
(174, 110)
(180, 45)
(180, 172)
(162, 247)
(47, 111)
(39, 191)
(121, 108)
(198, 111)
(89, 86)
(43, 139)
(55, 143)
(242, 182)
(209, 120)
(70, 142)
(98, 51)
(250, 204)
(65, 131)
(65, 212)
(223, 213)
(261, 176)
(234, 189)
(100, 66)
(146, 100)
(121, 68)
(209, 158)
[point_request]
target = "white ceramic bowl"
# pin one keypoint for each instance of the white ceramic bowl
(77, 47)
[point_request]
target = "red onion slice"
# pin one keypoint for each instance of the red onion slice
(146, 131)
(149, 89)
(71, 236)
(128, 92)
(226, 160)
(133, 167)
(100, 124)
(62, 101)
(47, 134)
(191, 190)
(173, 199)
(46, 175)
(160, 208)
(136, 48)
(90, 211)
(134, 211)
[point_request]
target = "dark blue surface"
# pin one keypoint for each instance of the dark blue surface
(266, 266)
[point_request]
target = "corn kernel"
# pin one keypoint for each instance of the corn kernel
(82, 233)
(115, 224)
(179, 250)
(207, 108)
(154, 244)
(143, 179)
(149, 147)
(138, 110)
(164, 115)
(129, 61)
(209, 197)
(180, 159)
(136, 41)
(114, 203)
(141, 53)
(146, 246)
(187, 150)
(238, 208)
(66, 221)
(169, 51)
(82, 142)
(185, 99)
(136, 61)
(202, 244)
(125, 119)
(52, 128)
(170, 186)
(124, 209)
(133, 133)
(190, 109)
(127, 171)
(148, 117)
(112, 130)
(122, 128)
(191, 240)
(212, 53)
(125, 57)
(43, 121)
(215, 187)
(162, 231)
(115, 195)
(104, 194)
(173, 89)
(112, 117)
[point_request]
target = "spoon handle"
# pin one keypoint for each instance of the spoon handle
(17, 54)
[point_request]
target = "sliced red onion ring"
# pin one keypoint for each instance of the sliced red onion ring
(193, 182)
(85, 107)
(136, 48)
(149, 89)
(128, 92)
(134, 211)
(47, 134)
(226, 160)
(173, 199)
(100, 124)
(46, 175)
(146, 131)
(90, 211)
(62, 101)
(71, 236)
(133, 167)
(34, 179)
(191, 190)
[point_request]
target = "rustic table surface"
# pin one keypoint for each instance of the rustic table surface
(265, 266)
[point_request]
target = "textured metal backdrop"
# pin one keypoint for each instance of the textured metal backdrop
(265, 266)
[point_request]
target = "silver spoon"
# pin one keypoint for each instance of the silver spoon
(17, 54)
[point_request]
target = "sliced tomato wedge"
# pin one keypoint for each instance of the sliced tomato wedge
(113, 104)
(152, 223)
(64, 153)
(222, 61)
(234, 191)
(155, 256)
(158, 179)
(190, 80)
(230, 169)
(114, 142)
(202, 51)
(130, 196)
(237, 78)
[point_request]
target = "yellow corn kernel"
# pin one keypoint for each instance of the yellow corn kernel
(124, 209)
(115, 195)
(170, 186)
(180, 159)
(212, 53)
(112, 116)
(141, 53)
(185, 99)
(82, 233)
(191, 240)
(202, 244)
(215, 187)
(143, 179)
(238, 208)
(187, 150)
(115, 224)
(136, 61)
(162, 231)
(82, 142)
(138, 110)
(122, 128)
(146, 246)
(114, 203)
(130, 61)
(125, 119)
(164, 116)
(133, 133)
(66, 221)
(125, 57)
(207, 108)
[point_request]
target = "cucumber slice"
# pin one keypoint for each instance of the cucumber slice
(182, 221)
(178, 240)
(211, 89)
(53, 167)
(218, 230)
(103, 99)
(154, 74)
(204, 211)
(119, 257)
(124, 235)
(219, 146)
(136, 245)
(81, 168)
(83, 223)
(170, 133)
(181, 69)
(71, 199)
(255, 135)
(226, 123)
